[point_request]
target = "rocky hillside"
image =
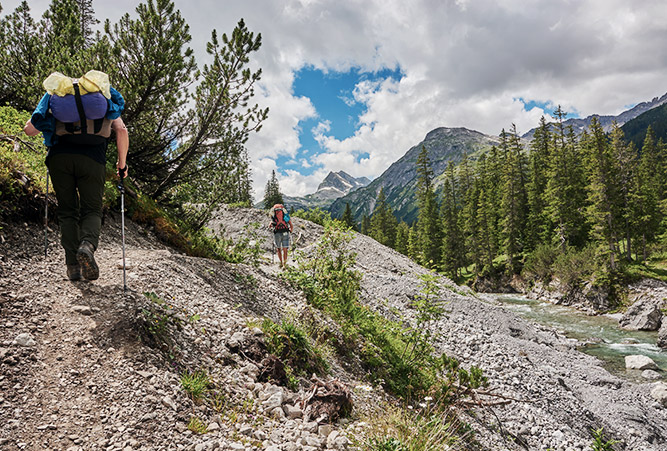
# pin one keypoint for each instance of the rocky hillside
(579, 125)
(84, 365)
(400, 179)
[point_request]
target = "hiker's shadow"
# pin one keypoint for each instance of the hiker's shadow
(115, 312)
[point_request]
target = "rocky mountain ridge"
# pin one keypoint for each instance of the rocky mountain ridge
(400, 179)
(334, 185)
(338, 184)
(77, 372)
(581, 124)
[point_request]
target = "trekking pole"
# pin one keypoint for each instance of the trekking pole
(46, 215)
(121, 188)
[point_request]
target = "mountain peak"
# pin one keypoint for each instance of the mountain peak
(337, 184)
(451, 132)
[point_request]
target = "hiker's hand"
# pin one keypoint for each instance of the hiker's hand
(121, 172)
(30, 129)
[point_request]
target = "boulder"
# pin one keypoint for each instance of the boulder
(651, 375)
(642, 315)
(274, 401)
(25, 340)
(236, 340)
(293, 411)
(640, 362)
(662, 334)
(659, 393)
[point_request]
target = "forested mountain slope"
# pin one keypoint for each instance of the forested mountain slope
(400, 179)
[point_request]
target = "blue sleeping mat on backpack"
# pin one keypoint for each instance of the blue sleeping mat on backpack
(64, 108)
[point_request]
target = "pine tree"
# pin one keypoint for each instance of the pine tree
(624, 158)
(67, 49)
(468, 211)
(538, 227)
(31, 51)
(20, 59)
(402, 238)
(152, 67)
(383, 223)
(428, 221)
(472, 225)
(602, 210)
(87, 20)
(347, 217)
(413, 243)
(487, 212)
(565, 187)
(513, 202)
(452, 242)
(365, 225)
(648, 183)
(272, 193)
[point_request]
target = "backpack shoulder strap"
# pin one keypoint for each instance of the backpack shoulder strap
(80, 110)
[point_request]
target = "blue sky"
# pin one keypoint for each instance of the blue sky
(332, 95)
(410, 67)
(547, 107)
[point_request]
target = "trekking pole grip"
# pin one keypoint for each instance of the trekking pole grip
(121, 175)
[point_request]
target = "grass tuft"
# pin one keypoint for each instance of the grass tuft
(195, 384)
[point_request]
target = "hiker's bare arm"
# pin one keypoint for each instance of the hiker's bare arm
(122, 142)
(30, 129)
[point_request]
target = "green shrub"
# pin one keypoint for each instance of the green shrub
(22, 168)
(540, 262)
(246, 249)
(401, 359)
(316, 215)
(197, 426)
(575, 266)
(195, 384)
(291, 344)
(241, 204)
(426, 426)
(385, 444)
(599, 441)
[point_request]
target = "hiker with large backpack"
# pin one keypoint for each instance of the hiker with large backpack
(76, 118)
(281, 225)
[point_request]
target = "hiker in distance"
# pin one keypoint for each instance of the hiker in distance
(281, 224)
(76, 118)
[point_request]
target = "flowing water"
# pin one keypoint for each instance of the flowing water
(600, 335)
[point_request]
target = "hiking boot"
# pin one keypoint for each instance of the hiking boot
(89, 268)
(74, 272)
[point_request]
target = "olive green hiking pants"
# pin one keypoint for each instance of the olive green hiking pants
(79, 185)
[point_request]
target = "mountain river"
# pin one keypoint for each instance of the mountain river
(600, 335)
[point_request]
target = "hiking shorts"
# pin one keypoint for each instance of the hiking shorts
(281, 239)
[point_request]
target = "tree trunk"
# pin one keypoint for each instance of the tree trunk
(644, 247)
(628, 240)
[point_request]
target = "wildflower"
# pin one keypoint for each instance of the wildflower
(366, 388)
(428, 398)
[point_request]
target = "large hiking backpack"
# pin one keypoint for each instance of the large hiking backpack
(280, 219)
(79, 107)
